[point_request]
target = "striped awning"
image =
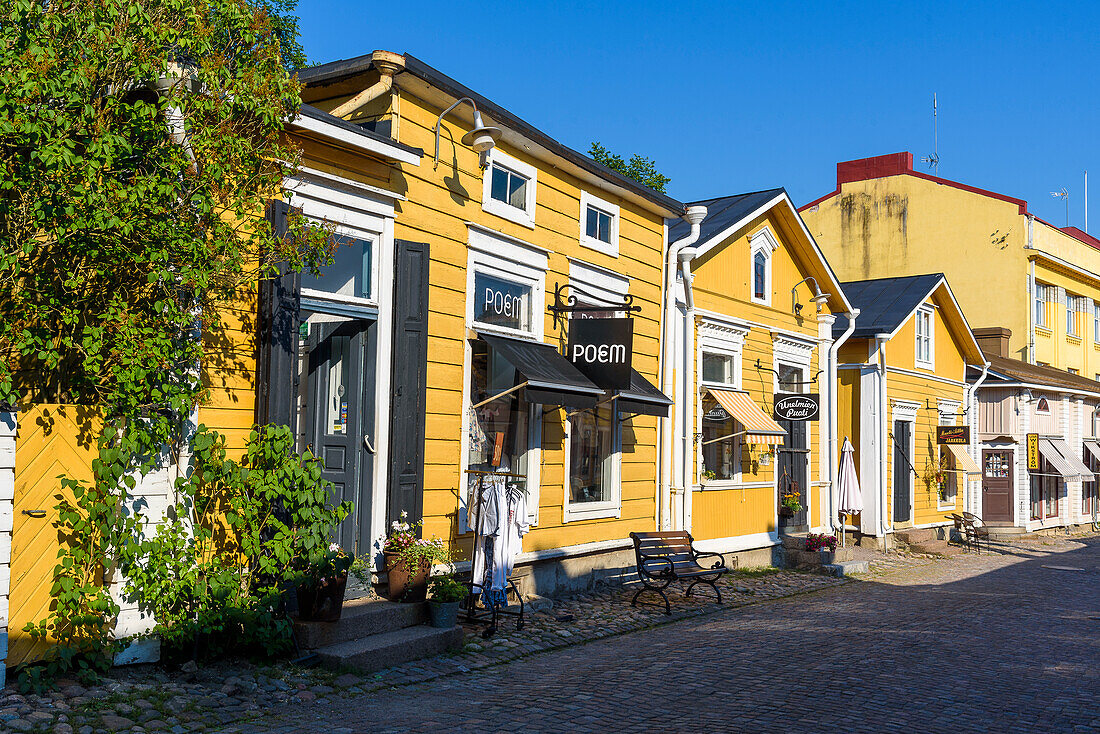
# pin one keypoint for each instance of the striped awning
(963, 460)
(1058, 455)
(759, 426)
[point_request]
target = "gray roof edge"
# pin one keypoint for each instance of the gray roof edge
(318, 114)
(349, 67)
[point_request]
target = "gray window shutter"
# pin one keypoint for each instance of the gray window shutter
(278, 318)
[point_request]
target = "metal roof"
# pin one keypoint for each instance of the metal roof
(1014, 370)
(884, 303)
(723, 213)
(347, 68)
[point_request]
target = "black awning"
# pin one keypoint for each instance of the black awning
(551, 378)
(642, 397)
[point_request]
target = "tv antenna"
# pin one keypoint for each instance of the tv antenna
(1063, 194)
(933, 160)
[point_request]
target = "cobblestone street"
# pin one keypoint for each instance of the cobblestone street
(1000, 642)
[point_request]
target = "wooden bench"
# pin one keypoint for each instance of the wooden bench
(671, 556)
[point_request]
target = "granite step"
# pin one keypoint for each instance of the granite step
(360, 618)
(385, 650)
(917, 535)
(936, 548)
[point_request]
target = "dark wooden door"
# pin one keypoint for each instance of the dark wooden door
(903, 471)
(341, 420)
(997, 485)
(793, 470)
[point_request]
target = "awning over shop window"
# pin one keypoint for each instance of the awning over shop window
(1058, 454)
(550, 378)
(760, 428)
(1093, 447)
(963, 460)
(643, 398)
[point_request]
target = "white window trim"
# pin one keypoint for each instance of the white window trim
(607, 207)
(930, 312)
(598, 282)
(507, 259)
(612, 508)
(716, 339)
(763, 241)
(525, 216)
(1042, 296)
(948, 410)
(1039, 411)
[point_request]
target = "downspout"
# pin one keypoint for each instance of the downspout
(884, 434)
(173, 116)
(387, 64)
(972, 412)
(693, 216)
(834, 415)
(688, 429)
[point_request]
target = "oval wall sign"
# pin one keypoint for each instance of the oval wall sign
(790, 407)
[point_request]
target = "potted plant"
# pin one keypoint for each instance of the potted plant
(321, 589)
(446, 595)
(409, 560)
(820, 541)
(789, 504)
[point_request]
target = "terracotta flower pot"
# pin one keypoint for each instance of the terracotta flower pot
(407, 585)
(322, 601)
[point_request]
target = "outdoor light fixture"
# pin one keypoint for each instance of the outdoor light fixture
(818, 297)
(482, 138)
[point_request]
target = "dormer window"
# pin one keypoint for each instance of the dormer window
(924, 348)
(761, 246)
(759, 276)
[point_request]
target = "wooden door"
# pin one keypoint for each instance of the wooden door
(792, 468)
(903, 471)
(997, 485)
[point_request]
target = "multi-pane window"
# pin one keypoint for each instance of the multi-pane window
(1042, 297)
(1096, 322)
(598, 224)
(592, 451)
(509, 187)
(1044, 491)
(1074, 305)
(924, 336)
(718, 368)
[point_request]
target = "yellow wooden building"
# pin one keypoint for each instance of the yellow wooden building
(503, 222)
(902, 376)
(754, 313)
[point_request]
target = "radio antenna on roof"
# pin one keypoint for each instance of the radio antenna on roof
(933, 160)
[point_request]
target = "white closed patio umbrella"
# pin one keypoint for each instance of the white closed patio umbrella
(851, 499)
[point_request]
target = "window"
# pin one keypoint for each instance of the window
(350, 272)
(509, 188)
(1042, 297)
(1073, 371)
(1096, 323)
(719, 368)
(501, 302)
(790, 378)
(1074, 306)
(1042, 406)
(1090, 491)
(924, 344)
(592, 482)
(721, 447)
(761, 246)
(599, 224)
(503, 434)
(950, 478)
(1044, 491)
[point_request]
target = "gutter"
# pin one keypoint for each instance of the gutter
(693, 216)
(834, 417)
(972, 411)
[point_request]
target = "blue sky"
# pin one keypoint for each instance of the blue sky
(734, 97)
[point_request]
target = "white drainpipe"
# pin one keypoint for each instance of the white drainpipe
(972, 414)
(884, 429)
(387, 64)
(693, 216)
(833, 418)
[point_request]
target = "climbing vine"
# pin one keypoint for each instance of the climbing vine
(140, 142)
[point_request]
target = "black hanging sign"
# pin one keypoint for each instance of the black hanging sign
(794, 407)
(602, 350)
(953, 435)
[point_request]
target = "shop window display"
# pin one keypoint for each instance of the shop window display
(499, 431)
(721, 458)
(591, 453)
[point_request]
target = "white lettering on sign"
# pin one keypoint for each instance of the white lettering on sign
(502, 304)
(600, 353)
(795, 408)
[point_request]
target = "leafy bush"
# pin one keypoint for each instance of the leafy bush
(446, 588)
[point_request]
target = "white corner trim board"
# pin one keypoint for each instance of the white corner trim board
(8, 429)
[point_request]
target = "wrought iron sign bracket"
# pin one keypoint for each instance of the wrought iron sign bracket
(569, 304)
(762, 368)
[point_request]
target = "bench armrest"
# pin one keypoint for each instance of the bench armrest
(721, 559)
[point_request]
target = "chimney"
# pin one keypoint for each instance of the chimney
(993, 339)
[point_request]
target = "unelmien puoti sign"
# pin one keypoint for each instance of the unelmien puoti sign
(797, 407)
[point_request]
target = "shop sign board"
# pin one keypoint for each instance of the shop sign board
(602, 350)
(952, 435)
(796, 407)
(1033, 451)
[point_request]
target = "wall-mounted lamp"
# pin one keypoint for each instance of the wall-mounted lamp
(818, 297)
(482, 138)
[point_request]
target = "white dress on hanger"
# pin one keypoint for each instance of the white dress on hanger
(501, 521)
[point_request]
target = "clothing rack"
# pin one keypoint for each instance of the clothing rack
(488, 614)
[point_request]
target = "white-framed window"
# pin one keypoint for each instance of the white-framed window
(1042, 405)
(599, 224)
(1073, 370)
(947, 495)
(1043, 295)
(761, 246)
(925, 337)
(721, 448)
(1074, 305)
(593, 461)
(505, 286)
(1096, 323)
(508, 188)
